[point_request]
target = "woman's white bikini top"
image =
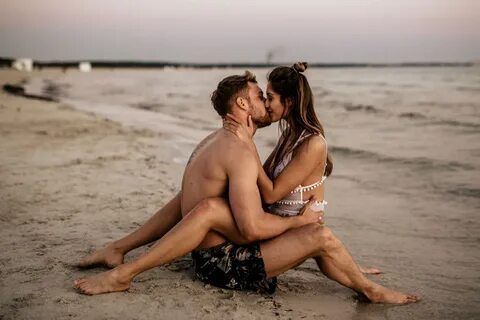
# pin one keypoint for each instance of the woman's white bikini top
(293, 203)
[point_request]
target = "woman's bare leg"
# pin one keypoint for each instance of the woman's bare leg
(209, 215)
(159, 224)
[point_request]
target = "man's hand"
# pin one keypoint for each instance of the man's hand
(309, 215)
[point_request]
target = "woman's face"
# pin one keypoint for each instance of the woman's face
(274, 106)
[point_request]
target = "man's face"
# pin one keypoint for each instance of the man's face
(257, 106)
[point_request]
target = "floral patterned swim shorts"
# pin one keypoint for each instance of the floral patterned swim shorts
(232, 266)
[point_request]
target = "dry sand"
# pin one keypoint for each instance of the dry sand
(70, 181)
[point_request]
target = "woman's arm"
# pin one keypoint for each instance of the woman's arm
(308, 155)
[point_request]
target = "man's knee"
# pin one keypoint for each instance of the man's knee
(203, 209)
(207, 208)
(328, 241)
(320, 237)
(205, 205)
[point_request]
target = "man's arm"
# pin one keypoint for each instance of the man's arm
(245, 202)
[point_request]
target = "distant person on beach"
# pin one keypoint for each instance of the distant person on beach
(218, 213)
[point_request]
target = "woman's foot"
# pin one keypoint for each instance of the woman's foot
(110, 281)
(365, 270)
(380, 294)
(108, 256)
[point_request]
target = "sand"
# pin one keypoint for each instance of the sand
(71, 181)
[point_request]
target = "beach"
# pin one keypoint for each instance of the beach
(78, 173)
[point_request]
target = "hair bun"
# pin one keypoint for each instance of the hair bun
(300, 66)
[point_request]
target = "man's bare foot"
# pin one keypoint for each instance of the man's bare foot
(108, 256)
(380, 294)
(109, 281)
(366, 270)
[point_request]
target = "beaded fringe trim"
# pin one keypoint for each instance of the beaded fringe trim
(309, 187)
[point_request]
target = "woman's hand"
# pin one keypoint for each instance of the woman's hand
(234, 125)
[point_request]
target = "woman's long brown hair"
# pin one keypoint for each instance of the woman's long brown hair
(293, 87)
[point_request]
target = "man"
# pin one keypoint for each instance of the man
(222, 164)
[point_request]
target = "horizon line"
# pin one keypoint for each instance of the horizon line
(131, 63)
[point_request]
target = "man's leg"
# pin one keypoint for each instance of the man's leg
(159, 224)
(368, 270)
(156, 227)
(209, 215)
(315, 241)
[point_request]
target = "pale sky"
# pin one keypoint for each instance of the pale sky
(242, 31)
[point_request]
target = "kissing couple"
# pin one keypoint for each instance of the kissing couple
(245, 222)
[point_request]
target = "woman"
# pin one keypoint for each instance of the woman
(298, 165)
(300, 156)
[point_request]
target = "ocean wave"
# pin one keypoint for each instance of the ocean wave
(149, 106)
(449, 104)
(178, 95)
(363, 83)
(467, 88)
(408, 85)
(465, 192)
(442, 122)
(112, 91)
(417, 163)
(384, 91)
(412, 115)
(361, 107)
(455, 123)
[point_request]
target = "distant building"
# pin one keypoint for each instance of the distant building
(23, 64)
(85, 67)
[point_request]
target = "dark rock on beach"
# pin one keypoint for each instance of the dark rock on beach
(19, 90)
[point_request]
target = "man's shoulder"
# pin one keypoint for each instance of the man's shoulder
(232, 145)
(239, 150)
(236, 153)
(200, 148)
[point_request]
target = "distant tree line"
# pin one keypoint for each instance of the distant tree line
(7, 62)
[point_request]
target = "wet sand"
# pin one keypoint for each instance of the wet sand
(71, 180)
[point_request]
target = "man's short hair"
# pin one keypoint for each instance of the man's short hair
(229, 89)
